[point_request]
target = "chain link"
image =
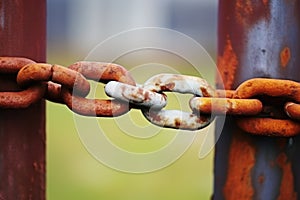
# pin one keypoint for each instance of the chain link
(102, 72)
(23, 98)
(222, 106)
(38, 72)
(181, 84)
(283, 90)
(136, 95)
(260, 106)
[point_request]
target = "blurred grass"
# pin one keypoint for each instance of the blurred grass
(74, 174)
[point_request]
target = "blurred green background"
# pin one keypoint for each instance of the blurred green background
(74, 28)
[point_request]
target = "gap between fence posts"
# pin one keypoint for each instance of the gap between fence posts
(22, 131)
(257, 39)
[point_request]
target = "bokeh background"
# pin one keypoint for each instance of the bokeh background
(74, 28)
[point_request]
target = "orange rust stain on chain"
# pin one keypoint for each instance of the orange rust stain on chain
(227, 65)
(287, 183)
(285, 56)
(241, 161)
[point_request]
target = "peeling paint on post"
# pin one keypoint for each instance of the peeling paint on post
(22, 131)
(257, 39)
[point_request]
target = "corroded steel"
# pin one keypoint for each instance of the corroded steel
(19, 99)
(13, 64)
(270, 87)
(269, 126)
(247, 100)
(293, 110)
(101, 72)
(38, 72)
(287, 90)
(222, 106)
(22, 131)
(22, 99)
(94, 107)
(256, 39)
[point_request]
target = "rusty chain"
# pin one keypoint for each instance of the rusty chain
(261, 106)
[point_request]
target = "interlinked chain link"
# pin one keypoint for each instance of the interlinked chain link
(269, 107)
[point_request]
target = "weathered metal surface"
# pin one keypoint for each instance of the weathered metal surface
(24, 98)
(101, 72)
(39, 72)
(22, 131)
(135, 95)
(293, 110)
(20, 99)
(181, 84)
(240, 102)
(176, 119)
(257, 39)
(270, 87)
(10, 65)
(278, 91)
(94, 107)
(222, 106)
(269, 127)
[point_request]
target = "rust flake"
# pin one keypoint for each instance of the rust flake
(241, 162)
(204, 91)
(287, 183)
(285, 56)
(167, 87)
(177, 122)
(227, 65)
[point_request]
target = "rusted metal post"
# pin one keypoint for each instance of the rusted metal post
(22, 132)
(257, 39)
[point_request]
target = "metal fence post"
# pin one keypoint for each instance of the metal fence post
(257, 39)
(22, 131)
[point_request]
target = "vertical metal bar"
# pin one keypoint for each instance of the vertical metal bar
(22, 132)
(257, 38)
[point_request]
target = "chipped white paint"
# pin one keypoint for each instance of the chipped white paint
(135, 95)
